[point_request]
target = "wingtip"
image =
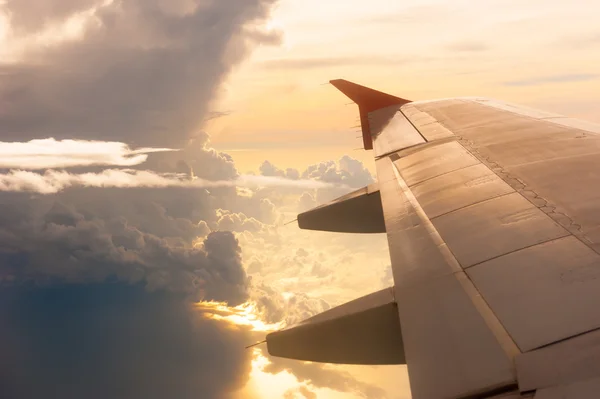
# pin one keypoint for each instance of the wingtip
(338, 83)
(365, 96)
(368, 100)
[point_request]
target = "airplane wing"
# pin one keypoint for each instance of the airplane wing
(492, 214)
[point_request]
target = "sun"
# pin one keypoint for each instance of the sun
(246, 314)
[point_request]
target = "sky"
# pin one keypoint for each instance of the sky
(538, 53)
(153, 151)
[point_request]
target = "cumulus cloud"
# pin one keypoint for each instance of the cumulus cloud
(61, 244)
(140, 71)
(347, 170)
(268, 169)
(342, 176)
(306, 202)
(291, 309)
(51, 153)
(232, 221)
(96, 281)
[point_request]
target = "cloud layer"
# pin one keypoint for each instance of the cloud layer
(97, 282)
(52, 154)
(98, 276)
(140, 71)
(118, 341)
(52, 182)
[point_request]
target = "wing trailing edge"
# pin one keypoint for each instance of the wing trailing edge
(357, 212)
(368, 100)
(363, 331)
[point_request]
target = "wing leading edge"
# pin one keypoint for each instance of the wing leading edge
(486, 223)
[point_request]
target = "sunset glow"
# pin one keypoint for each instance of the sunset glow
(154, 153)
(242, 315)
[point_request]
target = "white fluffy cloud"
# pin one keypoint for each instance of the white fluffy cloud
(51, 181)
(51, 154)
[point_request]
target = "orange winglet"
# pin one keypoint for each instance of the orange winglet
(368, 100)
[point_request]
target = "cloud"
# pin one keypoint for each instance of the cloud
(136, 72)
(60, 244)
(231, 221)
(567, 78)
(348, 172)
(51, 182)
(115, 340)
(25, 20)
(50, 153)
(306, 202)
(268, 169)
(290, 310)
(319, 376)
(387, 279)
(217, 114)
(302, 391)
(97, 281)
(143, 72)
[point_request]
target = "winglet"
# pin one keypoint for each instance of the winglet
(368, 100)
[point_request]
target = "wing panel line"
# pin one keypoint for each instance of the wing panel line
(550, 209)
(473, 204)
(504, 339)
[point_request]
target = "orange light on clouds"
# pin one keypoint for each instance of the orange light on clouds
(243, 315)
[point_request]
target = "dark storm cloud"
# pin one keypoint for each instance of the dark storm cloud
(566, 78)
(50, 241)
(117, 341)
(142, 74)
(140, 64)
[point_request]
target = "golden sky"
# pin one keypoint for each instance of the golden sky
(538, 53)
